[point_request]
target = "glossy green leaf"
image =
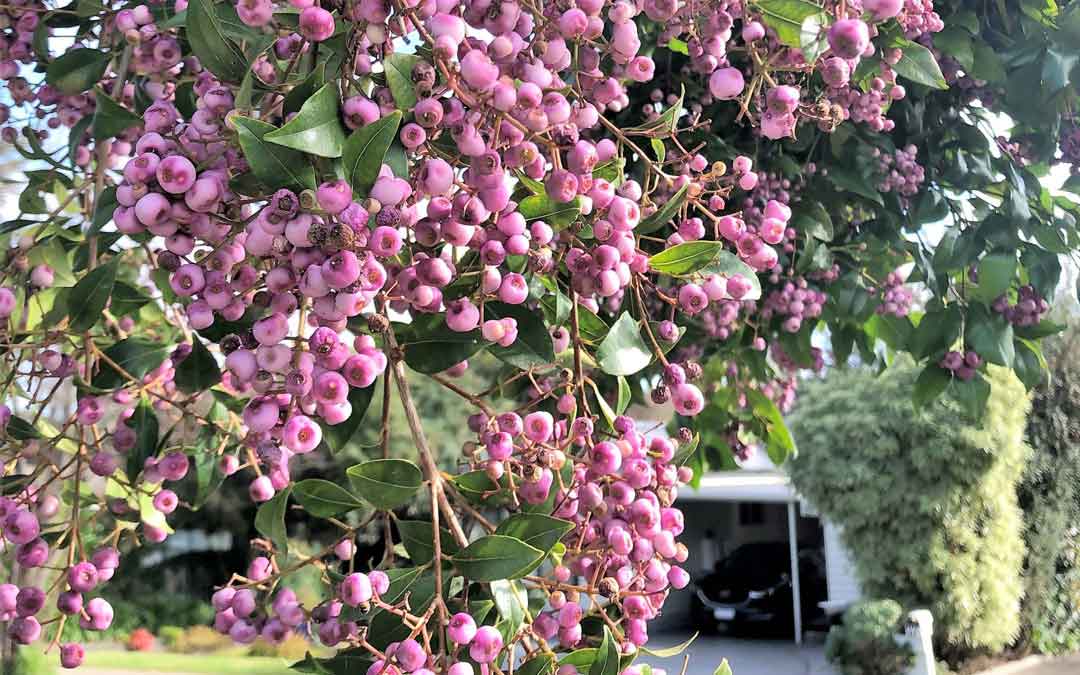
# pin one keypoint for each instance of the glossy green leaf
(110, 118)
(274, 165)
(419, 541)
(685, 258)
(399, 67)
(385, 483)
(779, 445)
(668, 652)
(538, 665)
(606, 659)
(539, 531)
(996, 272)
(207, 36)
(324, 499)
(850, 181)
(338, 437)
(533, 346)
(543, 207)
(917, 63)
(496, 556)
(90, 296)
(431, 347)
(300, 94)
(972, 395)
(990, 335)
(77, 70)
(786, 17)
(664, 215)
(135, 357)
(199, 371)
(623, 351)
(270, 520)
(145, 423)
(316, 129)
(365, 152)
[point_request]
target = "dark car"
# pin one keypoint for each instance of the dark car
(751, 592)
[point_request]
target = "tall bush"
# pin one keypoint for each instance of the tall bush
(926, 498)
(1050, 497)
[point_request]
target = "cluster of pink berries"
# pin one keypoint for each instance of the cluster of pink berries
(896, 298)
(964, 365)
(1028, 309)
(793, 302)
(901, 172)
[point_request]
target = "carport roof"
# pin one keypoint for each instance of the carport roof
(741, 486)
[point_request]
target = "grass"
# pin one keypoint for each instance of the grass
(164, 662)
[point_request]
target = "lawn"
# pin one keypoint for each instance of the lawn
(164, 662)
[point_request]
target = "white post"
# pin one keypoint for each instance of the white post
(796, 592)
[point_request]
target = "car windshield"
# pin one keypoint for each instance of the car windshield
(756, 565)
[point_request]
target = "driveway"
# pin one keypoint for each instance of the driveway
(746, 657)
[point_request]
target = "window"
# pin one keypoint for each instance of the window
(751, 513)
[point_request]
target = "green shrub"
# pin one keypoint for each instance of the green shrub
(926, 498)
(170, 635)
(866, 642)
(33, 661)
(201, 640)
(147, 610)
(1050, 497)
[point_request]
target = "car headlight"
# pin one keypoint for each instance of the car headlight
(758, 595)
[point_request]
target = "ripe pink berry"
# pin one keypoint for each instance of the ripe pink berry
(316, 24)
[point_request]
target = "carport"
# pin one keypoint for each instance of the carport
(769, 487)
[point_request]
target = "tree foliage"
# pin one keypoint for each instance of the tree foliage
(926, 498)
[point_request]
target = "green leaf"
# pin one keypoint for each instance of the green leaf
(606, 661)
(78, 70)
(208, 477)
(199, 371)
(431, 347)
(207, 37)
(813, 36)
(539, 665)
(668, 652)
(1044, 328)
(786, 18)
(686, 452)
(385, 483)
(685, 258)
(136, 356)
(274, 165)
(931, 383)
(21, 430)
(850, 181)
(399, 69)
(972, 395)
(103, 209)
(936, 332)
(145, 423)
(996, 272)
(419, 541)
(917, 63)
(814, 222)
(533, 346)
(495, 556)
(539, 531)
(664, 214)
(1030, 364)
(723, 668)
(324, 499)
(543, 207)
(338, 437)
(89, 297)
(728, 264)
(299, 94)
(779, 443)
(365, 152)
(957, 43)
(623, 351)
(991, 336)
(110, 118)
(623, 402)
(678, 46)
(270, 520)
(987, 63)
(316, 129)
